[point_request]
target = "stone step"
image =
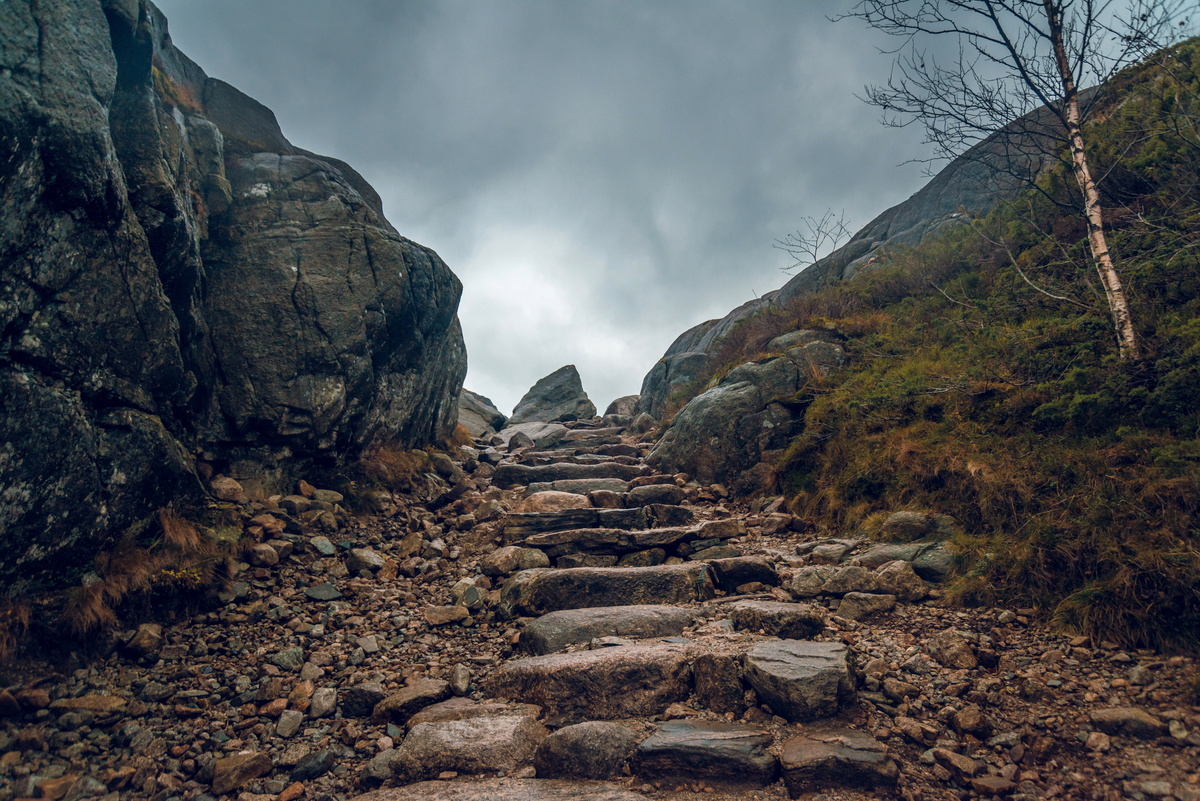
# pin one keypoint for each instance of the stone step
(556, 630)
(787, 621)
(504, 790)
(720, 753)
(836, 758)
(517, 527)
(605, 684)
(536, 592)
(579, 486)
(511, 475)
(617, 539)
(800, 680)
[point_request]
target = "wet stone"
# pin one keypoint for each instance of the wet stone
(725, 753)
(836, 758)
(591, 750)
(800, 680)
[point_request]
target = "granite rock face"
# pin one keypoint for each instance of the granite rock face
(179, 281)
(479, 415)
(688, 356)
(723, 432)
(556, 398)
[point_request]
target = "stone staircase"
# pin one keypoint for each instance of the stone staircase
(654, 652)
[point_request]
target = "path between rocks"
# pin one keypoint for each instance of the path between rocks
(617, 635)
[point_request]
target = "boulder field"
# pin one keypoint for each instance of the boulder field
(183, 291)
(468, 641)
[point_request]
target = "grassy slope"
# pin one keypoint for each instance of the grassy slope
(1076, 477)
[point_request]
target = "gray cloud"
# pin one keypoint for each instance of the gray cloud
(601, 174)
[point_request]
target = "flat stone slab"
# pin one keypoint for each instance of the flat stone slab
(581, 486)
(473, 745)
(556, 630)
(466, 709)
(836, 758)
(607, 540)
(788, 621)
(607, 684)
(800, 680)
(620, 539)
(536, 592)
(725, 753)
(734, 572)
(519, 526)
(505, 790)
(511, 475)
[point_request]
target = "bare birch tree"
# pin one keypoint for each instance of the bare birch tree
(1011, 57)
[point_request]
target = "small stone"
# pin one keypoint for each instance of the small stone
(324, 702)
(1130, 721)
(315, 764)
(289, 659)
(225, 488)
(460, 679)
(360, 559)
(992, 785)
(962, 766)
(234, 771)
(860, 605)
(1098, 741)
(323, 546)
(951, 650)
(289, 723)
(263, 555)
(323, 592)
(441, 615)
(399, 707)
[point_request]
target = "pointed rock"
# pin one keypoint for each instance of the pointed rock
(556, 397)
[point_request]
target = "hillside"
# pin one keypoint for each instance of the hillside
(966, 391)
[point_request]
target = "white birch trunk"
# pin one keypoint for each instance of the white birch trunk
(1118, 304)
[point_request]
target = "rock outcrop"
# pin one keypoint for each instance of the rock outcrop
(556, 398)
(688, 357)
(179, 282)
(479, 415)
(722, 434)
(975, 182)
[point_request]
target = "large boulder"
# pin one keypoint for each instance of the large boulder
(626, 405)
(479, 415)
(178, 280)
(723, 432)
(557, 397)
(689, 356)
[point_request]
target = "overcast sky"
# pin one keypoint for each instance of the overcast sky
(600, 174)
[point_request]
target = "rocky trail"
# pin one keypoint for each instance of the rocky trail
(548, 618)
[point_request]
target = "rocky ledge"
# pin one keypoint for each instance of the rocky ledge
(182, 290)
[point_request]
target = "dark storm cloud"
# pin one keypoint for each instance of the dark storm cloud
(601, 175)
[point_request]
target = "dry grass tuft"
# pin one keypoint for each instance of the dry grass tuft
(180, 559)
(459, 438)
(174, 93)
(392, 466)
